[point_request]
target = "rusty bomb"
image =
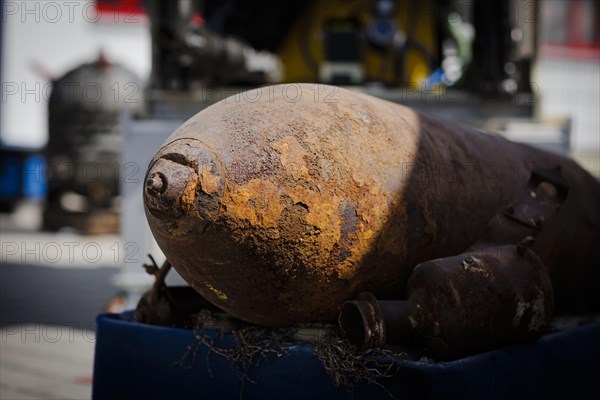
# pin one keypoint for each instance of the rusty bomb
(278, 211)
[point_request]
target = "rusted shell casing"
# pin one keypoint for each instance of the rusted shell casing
(460, 305)
(496, 293)
(278, 209)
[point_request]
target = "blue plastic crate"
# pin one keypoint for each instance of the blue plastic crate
(140, 361)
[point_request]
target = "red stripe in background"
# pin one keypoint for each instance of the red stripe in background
(129, 7)
(575, 53)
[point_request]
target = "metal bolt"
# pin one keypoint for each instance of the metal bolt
(468, 262)
(155, 183)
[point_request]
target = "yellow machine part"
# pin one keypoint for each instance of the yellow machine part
(302, 49)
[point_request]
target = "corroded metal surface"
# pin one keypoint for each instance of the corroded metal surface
(459, 305)
(279, 209)
(496, 293)
(495, 297)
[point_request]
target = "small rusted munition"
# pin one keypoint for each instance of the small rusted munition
(459, 305)
(496, 293)
(279, 204)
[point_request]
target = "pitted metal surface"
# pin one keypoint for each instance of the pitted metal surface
(283, 210)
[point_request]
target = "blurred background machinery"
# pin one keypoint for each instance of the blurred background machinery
(471, 45)
(85, 142)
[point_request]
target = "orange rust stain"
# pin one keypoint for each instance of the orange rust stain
(323, 213)
(209, 180)
(291, 156)
(256, 202)
(373, 210)
(189, 193)
(368, 234)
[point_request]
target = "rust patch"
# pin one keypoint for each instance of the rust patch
(188, 195)
(323, 213)
(256, 202)
(211, 182)
(291, 156)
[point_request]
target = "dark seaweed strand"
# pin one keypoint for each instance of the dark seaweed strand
(345, 364)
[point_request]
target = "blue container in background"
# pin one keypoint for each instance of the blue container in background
(22, 176)
(34, 179)
(10, 177)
